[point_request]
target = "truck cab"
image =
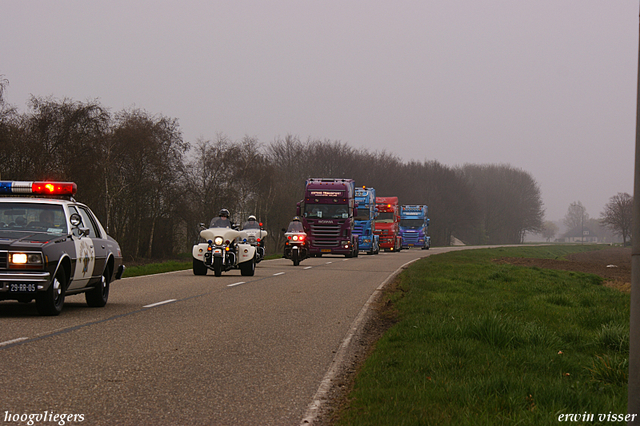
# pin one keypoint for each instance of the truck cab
(414, 226)
(368, 240)
(387, 223)
(327, 213)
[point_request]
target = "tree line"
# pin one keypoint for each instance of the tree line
(151, 188)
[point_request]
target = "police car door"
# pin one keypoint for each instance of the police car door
(84, 258)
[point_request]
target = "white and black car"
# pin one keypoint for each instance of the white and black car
(51, 248)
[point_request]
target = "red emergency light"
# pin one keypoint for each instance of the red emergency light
(38, 188)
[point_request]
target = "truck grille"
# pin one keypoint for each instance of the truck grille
(325, 235)
(411, 238)
(358, 230)
(3, 260)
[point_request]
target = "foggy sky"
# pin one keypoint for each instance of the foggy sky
(548, 86)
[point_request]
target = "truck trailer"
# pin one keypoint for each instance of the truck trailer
(327, 213)
(414, 226)
(387, 223)
(364, 227)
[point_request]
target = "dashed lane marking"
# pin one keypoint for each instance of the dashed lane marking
(8, 342)
(159, 303)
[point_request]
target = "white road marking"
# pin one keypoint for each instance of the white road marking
(345, 260)
(329, 262)
(235, 284)
(8, 342)
(308, 267)
(279, 273)
(159, 303)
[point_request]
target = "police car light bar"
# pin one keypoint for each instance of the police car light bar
(38, 188)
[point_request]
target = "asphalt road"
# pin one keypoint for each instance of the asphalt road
(179, 349)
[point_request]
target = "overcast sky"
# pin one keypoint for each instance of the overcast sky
(548, 86)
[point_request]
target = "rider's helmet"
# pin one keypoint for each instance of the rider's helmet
(224, 213)
(296, 219)
(252, 217)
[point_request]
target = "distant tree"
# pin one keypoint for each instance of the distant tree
(576, 215)
(549, 230)
(3, 86)
(509, 200)
(618, 215)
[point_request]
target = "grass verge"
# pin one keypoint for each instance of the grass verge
(480, 343)
(168, 266)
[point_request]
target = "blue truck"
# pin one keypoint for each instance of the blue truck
(414, 226)
(364, 225)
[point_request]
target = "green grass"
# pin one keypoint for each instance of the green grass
(168, 266)
(480, 343)
(157, 268)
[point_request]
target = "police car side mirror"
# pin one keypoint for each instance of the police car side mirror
(75, 220)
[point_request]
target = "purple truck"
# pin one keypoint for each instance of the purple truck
(327, 213)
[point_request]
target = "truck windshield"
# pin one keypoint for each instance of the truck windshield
(363, 214)
(326, 211)
(412, 223)
(32, 217)
(385, 217)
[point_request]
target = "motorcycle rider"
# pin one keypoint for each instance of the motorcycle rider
(295, 225)
(222, 220)
(251, 223)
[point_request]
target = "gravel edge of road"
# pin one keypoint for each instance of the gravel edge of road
(368, 326)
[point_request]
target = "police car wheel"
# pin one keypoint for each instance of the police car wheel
(199, 267)
(51, 301)
(97, 298)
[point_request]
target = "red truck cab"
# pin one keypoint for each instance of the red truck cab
(388, 223)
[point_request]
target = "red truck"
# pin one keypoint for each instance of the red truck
(388, 223)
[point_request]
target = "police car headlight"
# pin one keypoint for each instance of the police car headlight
(218, 241)
(31, 259)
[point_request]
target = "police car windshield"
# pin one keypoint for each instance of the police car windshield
(32, 217)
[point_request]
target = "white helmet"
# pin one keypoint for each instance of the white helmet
(252, 217)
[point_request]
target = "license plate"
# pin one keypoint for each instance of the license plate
(410, 245)
(326, 250)
(22, 287)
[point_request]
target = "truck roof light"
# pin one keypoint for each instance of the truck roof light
(38, 188)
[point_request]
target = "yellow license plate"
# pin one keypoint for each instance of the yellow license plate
(326, 250)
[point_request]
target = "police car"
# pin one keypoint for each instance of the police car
(51, 248)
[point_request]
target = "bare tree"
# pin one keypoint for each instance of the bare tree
(3, 87)
(618, 215)
(576, 216)
(509, 200)
(549, 230)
